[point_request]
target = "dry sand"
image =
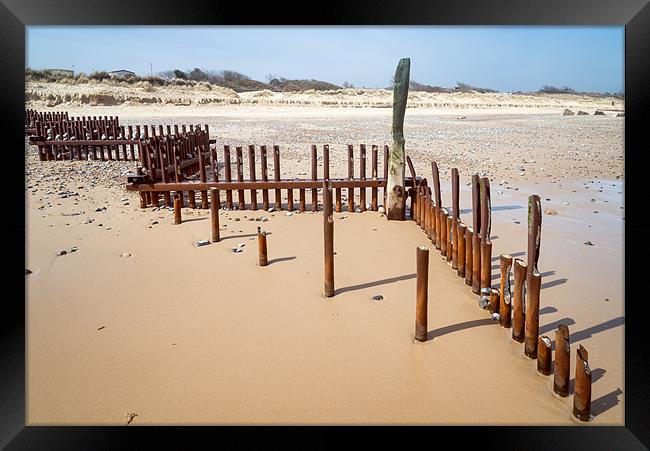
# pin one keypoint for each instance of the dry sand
(140, 320)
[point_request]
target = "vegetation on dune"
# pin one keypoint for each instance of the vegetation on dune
(204, 79)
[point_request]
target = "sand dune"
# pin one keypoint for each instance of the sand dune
(39, 95)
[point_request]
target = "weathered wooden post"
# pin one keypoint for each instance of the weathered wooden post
(476, 239)
(214, 213)
(422, 295)
(261, 247)
(534, 235)
(582, 395)
(396, 199)
(328, 228)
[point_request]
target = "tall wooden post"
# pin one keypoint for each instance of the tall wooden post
(214, 213)
(396, 199)
(421, 295)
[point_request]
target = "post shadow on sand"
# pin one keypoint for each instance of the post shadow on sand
(246, 235)
(605, 402)
(514, 254)
(375, 283)
(281, 259)
(581, 334)
(196, 219)
(499, 208)
(474, 323)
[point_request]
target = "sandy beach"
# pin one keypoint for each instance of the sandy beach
(138, 319)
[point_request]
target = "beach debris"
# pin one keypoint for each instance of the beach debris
(288, 213)
(598, 113)
(61, 253)
(236, 250)
(100, 328)
(241, 245)
(74, 249)
(377, 297)
(582, 113)
(28, 271)
(620, 115)
(589, 243)
(568, 112)
(126, 255)
(595, 211)
(202, 243)
(271, 209)
(381, 210)
(129, 417)
(496, 317)
(98, 209)
(550, 211)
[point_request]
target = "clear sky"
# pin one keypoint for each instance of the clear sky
(506, 58)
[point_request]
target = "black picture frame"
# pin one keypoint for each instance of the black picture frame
(15, 15)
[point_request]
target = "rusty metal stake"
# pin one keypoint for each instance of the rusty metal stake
(177, 209)
(476, 262)
(214, 214)
(582, 395)
(562, 361)
(518, 300)
(443, 231)
(504, 307)
(460, 228)
(544, 355)
(450, 239)
(494, 301)
(531, 327)
(469, 257)
(421, 296)
(328, 228)
(261, 245)
(486, 264)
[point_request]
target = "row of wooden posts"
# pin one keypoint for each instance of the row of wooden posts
(469, 251)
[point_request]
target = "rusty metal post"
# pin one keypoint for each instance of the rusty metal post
(240, 178)
(373, 192)
(544, 355)
(227, 172)
(417, 205)
(476, 205)
(460, 239)
(469, 257)
(214, 213)
(562, 361)
(518, 300)
(486, 264)
(328, 228)
(251, 169)
(276, 174)
(504, 288)
(443, 231)
(476, 262)
(531, 327)
(421, 295)
(177, 209)
(314, 176)
(449, 233)
(261, 246)
(362, 176)
(351, 176)
(455, 216)
(582, 395)
(494, 300)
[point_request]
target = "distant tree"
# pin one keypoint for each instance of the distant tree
(347, 84)
(553, 90)
(197, 74)
(180, 74)
(166, 74)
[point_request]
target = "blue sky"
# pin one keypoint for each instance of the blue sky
(504, 58)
